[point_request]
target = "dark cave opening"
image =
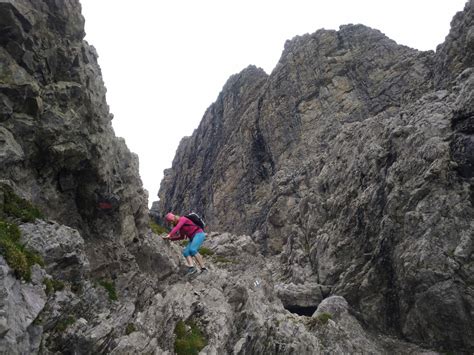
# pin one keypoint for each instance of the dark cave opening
(302, 311)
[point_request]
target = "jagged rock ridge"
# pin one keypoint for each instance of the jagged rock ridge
(109, 285)
(353, 163)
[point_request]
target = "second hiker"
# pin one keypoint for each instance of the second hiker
(185, 228)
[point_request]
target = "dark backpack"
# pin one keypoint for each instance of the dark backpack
(194, 217)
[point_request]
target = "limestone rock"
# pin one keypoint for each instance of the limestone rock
(20, 304)
(455, 54)
(353, 163)
(56, 138)
(58, 148)
(341, 182)
(61, 247)
(10, 151)
(301, 296)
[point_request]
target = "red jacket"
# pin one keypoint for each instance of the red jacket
(186, 229)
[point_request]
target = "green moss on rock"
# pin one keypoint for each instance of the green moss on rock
(324, 317)
(64, 323)
(222, 259)
(206, 251)
(320, 319)
(189, 339)
(110, 288)
(157, 229)
(14, 206)
(53, 285)
(16, 255)
(130, 328)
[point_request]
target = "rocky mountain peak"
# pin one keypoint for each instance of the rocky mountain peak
(455, 55)
(351, 163)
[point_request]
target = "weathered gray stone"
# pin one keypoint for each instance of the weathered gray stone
(20, 304)
(455, 54)
(306, 295)
(138, 343)
(346, 172)
(61, 247)
(10, 150)
(54, 107)
(353, 162)
(58, 147)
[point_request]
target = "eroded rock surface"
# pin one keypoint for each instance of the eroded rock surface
(353, 162)
(341, 183)
(56, 139)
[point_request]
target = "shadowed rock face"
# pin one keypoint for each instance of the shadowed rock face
(353, 163)
(59, 151)
(58, 145)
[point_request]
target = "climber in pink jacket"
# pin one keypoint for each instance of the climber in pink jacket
(185, 228)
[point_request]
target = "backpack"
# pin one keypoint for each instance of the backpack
(194, 217)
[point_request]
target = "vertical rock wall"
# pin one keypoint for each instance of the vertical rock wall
(352, 161)
(57, 143)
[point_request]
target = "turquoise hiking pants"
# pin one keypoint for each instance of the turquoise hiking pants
(194, 245)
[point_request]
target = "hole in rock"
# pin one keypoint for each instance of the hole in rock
(302, 311)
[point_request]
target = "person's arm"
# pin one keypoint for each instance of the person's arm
(172, 235)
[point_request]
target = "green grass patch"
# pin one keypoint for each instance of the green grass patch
(12, 205)
(16, 255)
(222, 259)
(321, 319)
(324, 317)
(110, 288)
(53, 285)
(62, 325)
(206, 252)
(157, 229)
(130, 328)
(189, 339)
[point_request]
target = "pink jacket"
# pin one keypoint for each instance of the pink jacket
(186, 229)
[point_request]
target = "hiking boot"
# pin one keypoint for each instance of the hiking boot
(191, 270)
(204, 270)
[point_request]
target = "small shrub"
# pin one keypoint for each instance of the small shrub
(17, 257)
(206, 252)
(33, 257)
(189, 339)
(14, 206)
(49, 286)
(130, 328)
(9, 231)
(53, 285)
(157, 229)
(110, 288)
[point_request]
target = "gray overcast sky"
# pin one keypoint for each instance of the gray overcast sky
(165, 62)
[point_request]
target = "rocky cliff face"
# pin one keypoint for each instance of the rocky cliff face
(59, 151)
(352, 163)
(347, 175)
(58, 146)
